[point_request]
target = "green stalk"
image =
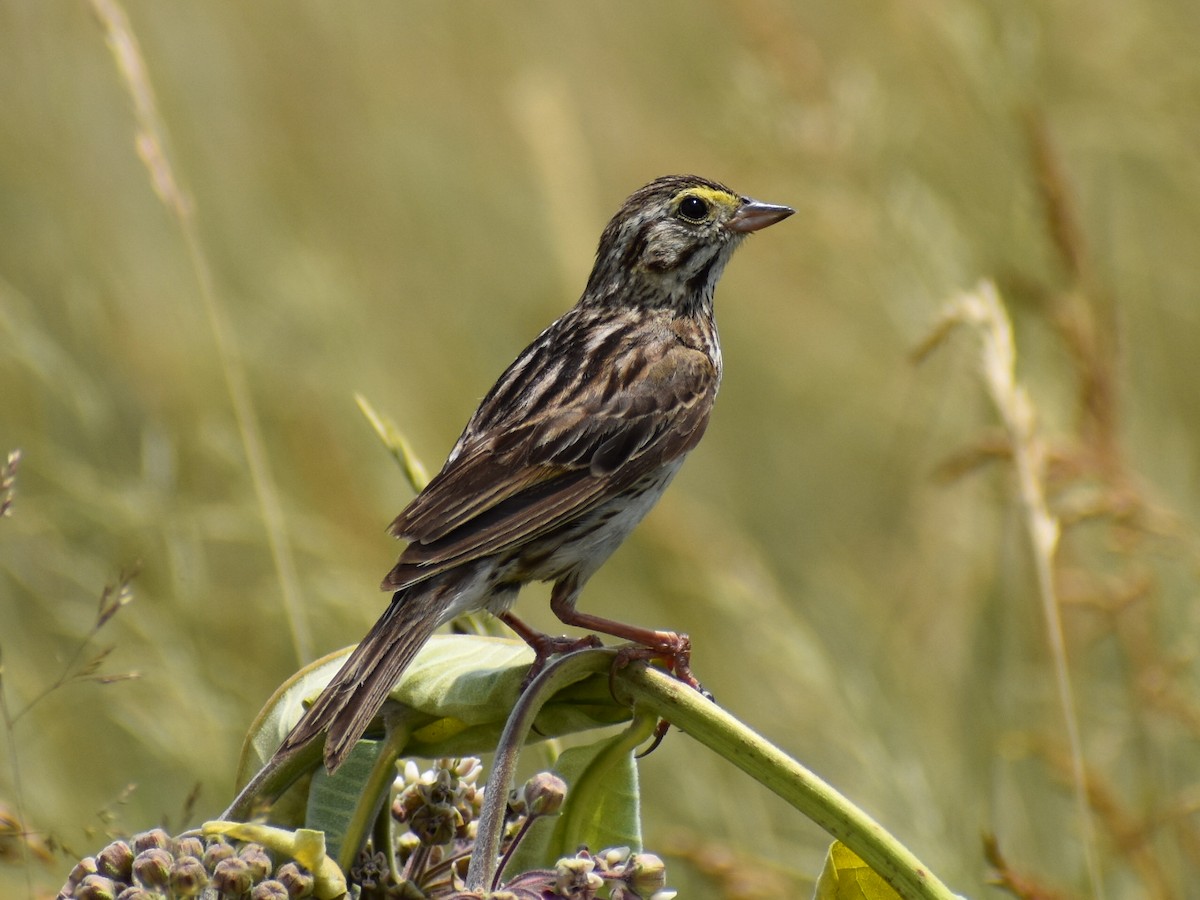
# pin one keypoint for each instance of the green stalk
(558, 674)
(654, 690)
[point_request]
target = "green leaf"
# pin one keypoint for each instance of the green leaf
(468, 684)
(272, 724)
(846, 877)
(332, 799)
(283, 710)
(602, 807)
(460, 689)
(454, 698)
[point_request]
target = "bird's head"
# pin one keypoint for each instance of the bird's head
(670, 241)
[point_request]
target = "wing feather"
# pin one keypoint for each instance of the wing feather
(538, 469)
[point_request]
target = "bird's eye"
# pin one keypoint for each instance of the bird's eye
(693, 209)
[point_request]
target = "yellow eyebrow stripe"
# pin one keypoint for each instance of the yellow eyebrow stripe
(713, 196)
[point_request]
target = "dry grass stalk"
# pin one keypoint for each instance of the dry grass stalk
(983, 311)
(151, 143)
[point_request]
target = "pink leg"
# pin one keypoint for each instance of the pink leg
(545, 645)
(671, 646)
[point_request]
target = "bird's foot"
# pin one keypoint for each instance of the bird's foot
(546, 647)
(673, 648)
(676, 650)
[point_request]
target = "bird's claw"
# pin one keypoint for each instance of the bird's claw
(676, 651)
(548, 646)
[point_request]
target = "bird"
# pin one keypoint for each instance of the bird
(567, 452)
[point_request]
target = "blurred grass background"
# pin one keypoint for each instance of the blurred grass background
(394, 198)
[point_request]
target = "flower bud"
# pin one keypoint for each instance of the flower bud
(233, 877)
(576, 877)
(257, 859)
(96, 887)
(152, 868)
(646, 875)
(146, 840)
(115, 861)
(189, 846)
(215, 852)
(299, 882)
(138, 893)
(613, 859)
(269, 890)
(543, 794)
(188, 877)
(468, 768)
(83, 868)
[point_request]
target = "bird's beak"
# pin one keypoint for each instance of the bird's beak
(754, 215)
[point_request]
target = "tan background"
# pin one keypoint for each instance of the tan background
(393, 198)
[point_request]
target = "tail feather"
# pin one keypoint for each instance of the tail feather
(349, 702)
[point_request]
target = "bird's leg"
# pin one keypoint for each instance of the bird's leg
(671, 646)
(545, 645)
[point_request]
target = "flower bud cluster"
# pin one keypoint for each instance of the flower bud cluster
(154, 866)
(616, 874)
(440, 805)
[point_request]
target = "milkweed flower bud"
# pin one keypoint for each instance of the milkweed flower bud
(543, 794)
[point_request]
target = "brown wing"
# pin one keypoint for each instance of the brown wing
(521, 476)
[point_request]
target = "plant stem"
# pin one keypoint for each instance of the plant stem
(654, 690)
(558, 674)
